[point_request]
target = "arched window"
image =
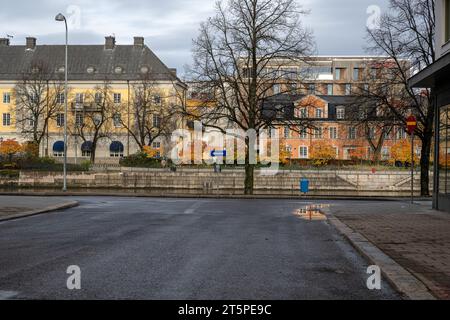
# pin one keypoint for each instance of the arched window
(58, 149)
(86, 149)
(116, 149)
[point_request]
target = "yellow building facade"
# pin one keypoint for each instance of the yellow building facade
(105, 82)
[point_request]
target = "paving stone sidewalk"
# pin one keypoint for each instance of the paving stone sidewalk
(414, 236)
(12, 207)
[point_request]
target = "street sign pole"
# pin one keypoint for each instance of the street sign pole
(411, 124)
(412, 168)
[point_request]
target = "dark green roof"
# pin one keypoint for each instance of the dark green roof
(17, 60)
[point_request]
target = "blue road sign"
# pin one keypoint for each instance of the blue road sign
(215, 153)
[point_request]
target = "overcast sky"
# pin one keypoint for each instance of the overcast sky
(170, 25)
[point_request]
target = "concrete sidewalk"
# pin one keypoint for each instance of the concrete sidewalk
(414, 236)
(15, 207)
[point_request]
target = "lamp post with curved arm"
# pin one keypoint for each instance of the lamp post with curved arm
(60, 17)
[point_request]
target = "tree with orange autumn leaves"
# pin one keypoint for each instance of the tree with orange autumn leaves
(322, 153)
(10, 148)
(401, 152)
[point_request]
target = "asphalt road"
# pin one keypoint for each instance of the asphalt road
(138, 248)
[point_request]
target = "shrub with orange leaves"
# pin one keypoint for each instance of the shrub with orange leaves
(322, 153)
(401, 152)
(283, 157)
(10, 148)
(150, 152)
(357, 154)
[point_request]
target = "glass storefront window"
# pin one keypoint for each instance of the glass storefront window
(444, 151)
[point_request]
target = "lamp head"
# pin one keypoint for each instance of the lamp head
(60, 17)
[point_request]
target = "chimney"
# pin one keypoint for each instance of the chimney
(4, 42)
(31, 43)
(110, 43)
(173, 71)
(138, 41)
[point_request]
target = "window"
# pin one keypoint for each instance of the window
(319, 113)
(348, 89)
(79, 98)
(6, 97)
(34, 98)
(374, 73)
(333, 133)
(318, 133)
(287, 132)
(366, 88)
(86, 153)
(58, 149)
(303, 113)
(60, 98)
(157, 100)
(117, 98)
(356, 74)
(372, 133)
(60, 120)
(339, 73)
(303, 152)
(340, 113)
(401, 134)
(385, 153)
(337, 152)
(329, 89)
(447, 20)
(156, 121)
(312, 88)
(79, 119)
(292, 87)
(351, 133)
(387, 135)
(117, 119)
(6, 119)
(304, 134)
(98, 98)
(276, 89)
(156, 145)
(116, 149)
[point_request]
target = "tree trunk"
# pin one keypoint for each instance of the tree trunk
(93, 152)
(425, 166)
(249, 178)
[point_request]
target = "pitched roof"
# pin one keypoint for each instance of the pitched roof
(17, 60)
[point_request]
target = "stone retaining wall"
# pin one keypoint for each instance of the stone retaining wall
(324, 182)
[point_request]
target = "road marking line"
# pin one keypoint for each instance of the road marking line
(194, 207)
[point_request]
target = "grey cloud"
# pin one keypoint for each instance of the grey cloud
(169, 26)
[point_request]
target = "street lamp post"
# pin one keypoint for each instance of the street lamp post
(60, 17)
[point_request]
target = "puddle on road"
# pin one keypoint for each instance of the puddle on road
(312, 213)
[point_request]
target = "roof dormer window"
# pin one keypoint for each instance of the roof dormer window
(144, 70)
(90, 70)
(118, 70)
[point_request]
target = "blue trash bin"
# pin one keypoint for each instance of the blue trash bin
(304, 186)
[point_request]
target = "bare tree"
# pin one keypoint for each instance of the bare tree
(94, 117)
(242, 55)
(39, 95)
(376, 121)
(153, 113)
(406, 33)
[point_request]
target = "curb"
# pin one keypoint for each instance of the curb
(400, 278)
(66, 205)
(208, 196)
